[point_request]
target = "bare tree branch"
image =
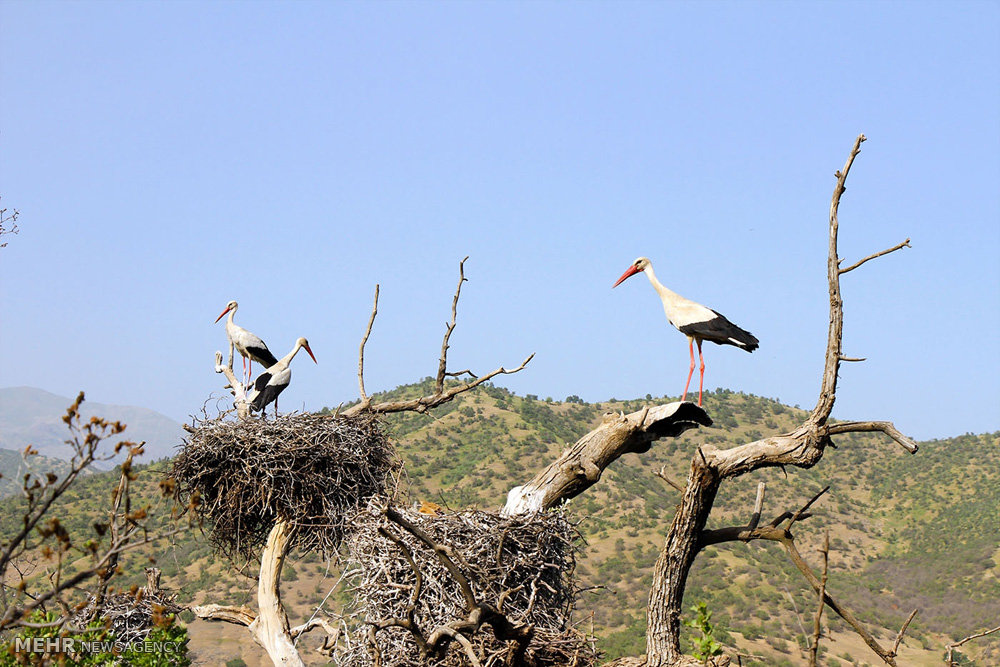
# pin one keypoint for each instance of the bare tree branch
(441, 393)
(8, 223)
(443, 361)
(828, 388)
(894, 248)
(954, 645)
(784, 536)
(361, 352)
(235, 386)
(241, 615)
(315, 622)
(662, 474)
(869, 426)
(801, 511)
(444, 553)
(758, 506)
(581, 465)
(902, 631)
(817, 624)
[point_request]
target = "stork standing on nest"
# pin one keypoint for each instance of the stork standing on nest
(273, 381)
(249, 345)
(693, 320)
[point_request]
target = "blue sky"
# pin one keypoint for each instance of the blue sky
(169, 157)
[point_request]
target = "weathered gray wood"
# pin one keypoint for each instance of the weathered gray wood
(234, 386)
(580, 466)
(271, 628)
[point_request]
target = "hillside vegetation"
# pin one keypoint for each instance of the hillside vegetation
(905, 531)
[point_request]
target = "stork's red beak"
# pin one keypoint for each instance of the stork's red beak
(628, 274)
(220, 316)
(310, 354)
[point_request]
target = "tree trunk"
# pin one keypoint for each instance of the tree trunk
(666, 596)
(270, 628)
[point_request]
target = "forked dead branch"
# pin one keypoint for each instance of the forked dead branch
(442, 393)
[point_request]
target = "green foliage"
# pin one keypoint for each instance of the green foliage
(165, 646)
(236, 662)
(705, 646)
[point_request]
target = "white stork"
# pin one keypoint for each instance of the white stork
(273, 381)
(250, 346)
(693, 320)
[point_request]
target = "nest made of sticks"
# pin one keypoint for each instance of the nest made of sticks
(523, 565)
(312, 471)
(131, 615)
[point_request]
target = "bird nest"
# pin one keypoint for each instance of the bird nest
(131, 615)
(312, 471)
(522, 566)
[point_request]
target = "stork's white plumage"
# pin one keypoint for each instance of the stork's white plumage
(693, 320)
(249, 345)
(273, 381)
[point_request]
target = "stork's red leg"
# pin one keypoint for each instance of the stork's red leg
(701, 380)
(691, 368)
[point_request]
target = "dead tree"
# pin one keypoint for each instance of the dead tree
(803, 447)
(269, 625)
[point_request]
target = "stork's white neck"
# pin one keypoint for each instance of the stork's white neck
(665, 294)
(231, 328)
(287, 359)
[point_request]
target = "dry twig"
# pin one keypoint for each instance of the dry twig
(954, 645)
(817, 623)
(442, 393)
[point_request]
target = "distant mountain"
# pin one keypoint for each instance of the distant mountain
(34, 416)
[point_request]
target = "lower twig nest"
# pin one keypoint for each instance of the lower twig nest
(130, 616)
(312, 471)
(523, 566)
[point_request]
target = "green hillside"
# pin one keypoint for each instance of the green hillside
(905, 531)
(13, 466)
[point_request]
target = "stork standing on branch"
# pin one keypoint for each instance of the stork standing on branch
(693, 320)
(249, 345)
(273, 381)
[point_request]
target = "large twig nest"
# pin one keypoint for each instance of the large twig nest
(312, 471)
(522, 565)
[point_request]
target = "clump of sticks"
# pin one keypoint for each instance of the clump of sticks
(312, 471)
(425, 585)
(131, 615)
